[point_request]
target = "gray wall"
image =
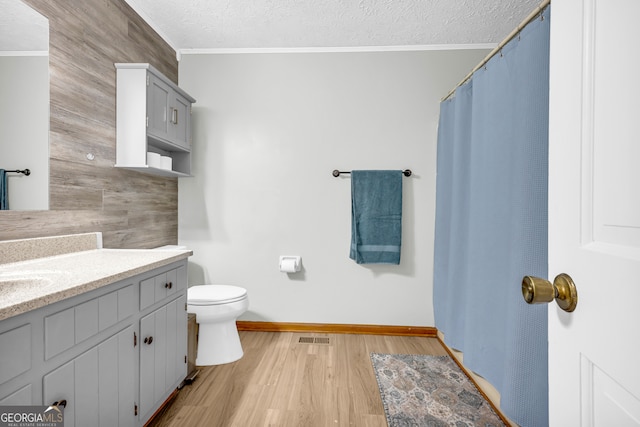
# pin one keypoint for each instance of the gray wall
(268, 131)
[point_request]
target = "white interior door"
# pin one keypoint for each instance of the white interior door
(594, 212)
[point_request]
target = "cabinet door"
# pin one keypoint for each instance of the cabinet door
(98, 385)
(151, 360)
(116, 366)
(180, 360)
(176, 339)
(171, 349)
(158, 96)
(59, 385)
(162, 354)
(180, 121)
(87, 389)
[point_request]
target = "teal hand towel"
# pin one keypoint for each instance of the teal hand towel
(376, 216)
(4, 193)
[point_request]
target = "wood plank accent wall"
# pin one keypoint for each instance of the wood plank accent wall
(131, 209)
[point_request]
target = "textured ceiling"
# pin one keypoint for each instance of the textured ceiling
(254, 24)
(21, 28)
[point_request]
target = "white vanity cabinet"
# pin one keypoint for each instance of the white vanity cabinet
(152, 115)
(90, 351)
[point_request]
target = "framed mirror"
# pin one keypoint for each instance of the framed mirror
(24, 105)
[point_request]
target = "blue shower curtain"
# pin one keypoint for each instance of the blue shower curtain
(491, 222)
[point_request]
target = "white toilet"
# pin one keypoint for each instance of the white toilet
(216, 308)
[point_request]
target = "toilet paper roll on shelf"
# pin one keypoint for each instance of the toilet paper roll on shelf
(166, 162)
(153, 160)
(289, 263)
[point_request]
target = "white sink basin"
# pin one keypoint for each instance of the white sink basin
(26, 281)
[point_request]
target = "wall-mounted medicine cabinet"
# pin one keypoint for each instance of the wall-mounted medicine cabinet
(153, 117)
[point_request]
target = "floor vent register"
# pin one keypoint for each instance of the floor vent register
(314, 340)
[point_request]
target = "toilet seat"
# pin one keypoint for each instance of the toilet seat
(215, 294)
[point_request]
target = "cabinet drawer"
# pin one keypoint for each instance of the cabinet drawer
(15, 352)
(182, 278)
(159, 287)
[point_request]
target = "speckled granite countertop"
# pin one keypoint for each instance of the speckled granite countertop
(31, 284)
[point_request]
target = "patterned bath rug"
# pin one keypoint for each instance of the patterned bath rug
(420, 390)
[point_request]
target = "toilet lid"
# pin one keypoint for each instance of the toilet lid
(215, 294)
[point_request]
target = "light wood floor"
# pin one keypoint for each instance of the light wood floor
(281, 382)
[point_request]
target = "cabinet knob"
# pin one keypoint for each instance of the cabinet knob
(168, 285)
(148, 340)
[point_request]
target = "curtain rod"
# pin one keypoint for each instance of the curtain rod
(533, 15)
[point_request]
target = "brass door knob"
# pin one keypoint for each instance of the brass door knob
(538, 291)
